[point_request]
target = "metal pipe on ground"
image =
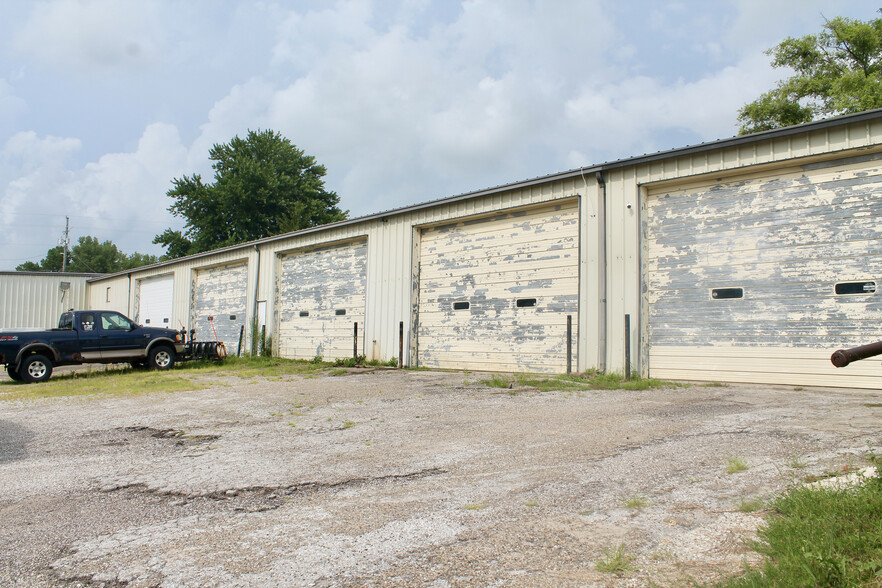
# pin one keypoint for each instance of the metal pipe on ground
(843, 357)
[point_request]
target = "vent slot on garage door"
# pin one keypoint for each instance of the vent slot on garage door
(844, 288)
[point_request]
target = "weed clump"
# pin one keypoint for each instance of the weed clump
(820, 537)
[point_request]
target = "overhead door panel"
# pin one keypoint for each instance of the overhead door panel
(495, 292)
(742, 277)
(321, 299)
(155, 301)
(219, 303)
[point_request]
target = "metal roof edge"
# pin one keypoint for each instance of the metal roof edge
(591, 169)
(53, 274)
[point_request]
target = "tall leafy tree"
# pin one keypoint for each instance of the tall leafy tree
(838, 71)
(89, 256)
(263, 185)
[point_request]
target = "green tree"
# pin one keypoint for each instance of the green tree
(89, 256)
(838, 71)
(51, 263)
(263, 186)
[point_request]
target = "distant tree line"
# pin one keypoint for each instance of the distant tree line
(89, 256)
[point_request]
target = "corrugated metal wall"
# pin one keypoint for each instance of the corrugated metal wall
(36, 300)
(610, 239)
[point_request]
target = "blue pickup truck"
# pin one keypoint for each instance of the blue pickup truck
(88, 336)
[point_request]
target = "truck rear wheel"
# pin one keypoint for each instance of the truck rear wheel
(161, 358)
(13, 373)
(35, 368)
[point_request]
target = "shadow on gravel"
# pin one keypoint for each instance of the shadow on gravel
(13, 442)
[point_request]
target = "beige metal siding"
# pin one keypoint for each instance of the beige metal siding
(490, 263)
(314, 288)
(36, 301)
(786, 240)
(219, 304)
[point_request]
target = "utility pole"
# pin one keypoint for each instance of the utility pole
(66, 243)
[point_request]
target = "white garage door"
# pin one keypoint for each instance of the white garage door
(155, 298)
(219, 302)
(321, 298)
(495, 292)
(760, 280)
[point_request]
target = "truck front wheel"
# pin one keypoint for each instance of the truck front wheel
(161, 358)
(35, 368)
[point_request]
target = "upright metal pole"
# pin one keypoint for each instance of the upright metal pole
(355, 342)
(241, 337)
(401, 344)
(65, 244)
(627, 346)
(569, 344)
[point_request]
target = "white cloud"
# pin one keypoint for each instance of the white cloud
(628, 117)
(92, 34)
(11, 106)
(120, 197)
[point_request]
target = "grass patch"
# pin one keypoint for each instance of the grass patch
(497, 381)
(735, 465)
(349, 424)
(616, 560)
(795, 462)
(474, 506)
(531, 503)
(112, 382)
(251, 367)
(590, 380)
(750, 504)
(820, 537)
(635, 502)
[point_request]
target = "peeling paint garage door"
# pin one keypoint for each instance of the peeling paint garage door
(321, 297)
(495, 292)
(761, 279)
(220, 293)
(155, 297)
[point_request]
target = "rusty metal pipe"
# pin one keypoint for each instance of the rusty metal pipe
(843, 357)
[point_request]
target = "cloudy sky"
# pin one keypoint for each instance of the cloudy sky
(103, 102)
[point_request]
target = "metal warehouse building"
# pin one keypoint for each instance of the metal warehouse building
(749, 259)
(37, 299)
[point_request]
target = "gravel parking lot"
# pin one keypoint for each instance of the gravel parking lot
(405, 478)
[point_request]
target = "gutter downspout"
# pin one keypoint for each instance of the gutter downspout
(254, 319)
(601, 272)
(129, 299)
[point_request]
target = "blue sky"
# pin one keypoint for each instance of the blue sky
(103, 102)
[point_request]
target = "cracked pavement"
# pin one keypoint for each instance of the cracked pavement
(403, 478)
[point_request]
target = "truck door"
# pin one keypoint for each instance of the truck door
(90, 340)
(119, 338)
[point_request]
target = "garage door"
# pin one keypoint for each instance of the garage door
(321, 297)
(220, 294)
(155, 297)
(761, 279)
(495, 292)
